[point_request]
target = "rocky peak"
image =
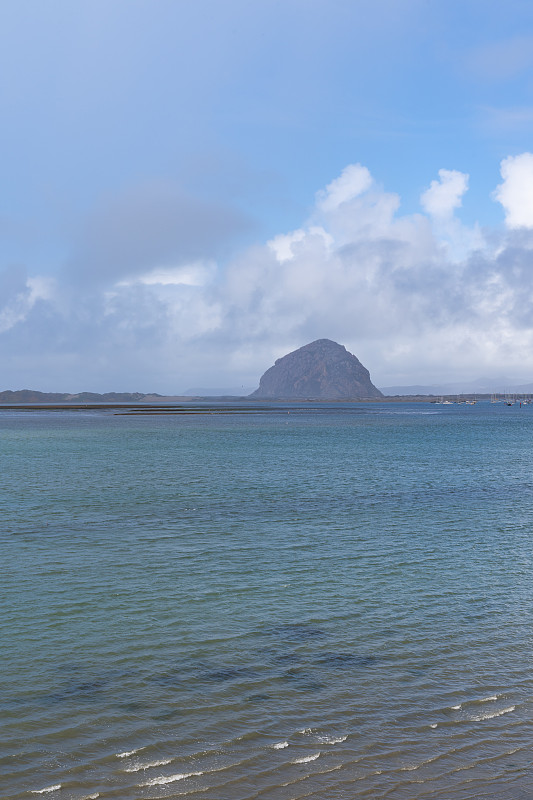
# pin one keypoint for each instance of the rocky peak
(321, 370)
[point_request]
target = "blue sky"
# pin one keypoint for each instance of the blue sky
(154, 154)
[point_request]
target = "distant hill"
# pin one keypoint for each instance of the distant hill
(321, 370)
(32, 396)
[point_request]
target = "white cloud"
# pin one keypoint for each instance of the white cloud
(439, 202)
(516, 192)
(352, 182)
(195, 274)
(283, 245)
(18, 307)
(444, 195)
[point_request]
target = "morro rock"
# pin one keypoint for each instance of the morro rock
(322, 370)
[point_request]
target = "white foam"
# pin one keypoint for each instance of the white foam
(305, 731)
(91, 796)
(139, 767)
(487, 699)
(434, 725)
(332, 739)
(129, 753)
(481, 717)
(456, 708)
(54, 788)
(280, 745)
(171, 778)
(305, 759)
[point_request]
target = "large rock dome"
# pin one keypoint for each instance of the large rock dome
(321, 370)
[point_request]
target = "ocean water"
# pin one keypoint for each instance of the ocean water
(268, 602)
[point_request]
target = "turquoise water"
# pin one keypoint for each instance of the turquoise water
(329, 603)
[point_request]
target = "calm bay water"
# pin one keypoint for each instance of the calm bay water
(334, 602)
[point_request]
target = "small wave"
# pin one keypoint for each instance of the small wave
(91, 796)
(171, 778)
(54, 788)
(489, 715)
(280, 745)
(305, 731)
(332, 739)
(433, 725)
(469, 702)
(139, 767)
(305, 759)
(129, 753)
(412, 767)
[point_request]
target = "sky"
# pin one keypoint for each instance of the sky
(190, 189)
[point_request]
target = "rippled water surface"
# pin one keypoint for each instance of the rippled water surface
(329, 603)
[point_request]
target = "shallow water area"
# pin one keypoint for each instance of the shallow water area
(267, 601)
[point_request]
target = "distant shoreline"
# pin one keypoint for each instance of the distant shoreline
(228, 404)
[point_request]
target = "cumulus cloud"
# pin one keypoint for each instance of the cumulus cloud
(444, 195)
(352, 182)
(284, 246)
(516, 192)
(387, 285)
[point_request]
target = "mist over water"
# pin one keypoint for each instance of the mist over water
(329, 603)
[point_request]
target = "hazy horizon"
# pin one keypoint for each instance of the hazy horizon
(481, 386)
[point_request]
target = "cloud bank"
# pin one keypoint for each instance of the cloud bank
(149, 299)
